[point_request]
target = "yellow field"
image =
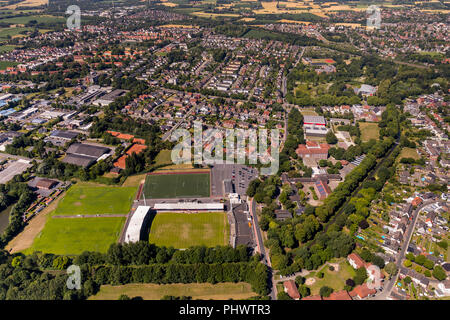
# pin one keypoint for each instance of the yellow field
(27, 3)
(214, 15)
(178, 26)
(293, 21)
(247, 19)
(169, 4)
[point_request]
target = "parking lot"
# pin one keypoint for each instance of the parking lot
(239, 174)
(13, 168)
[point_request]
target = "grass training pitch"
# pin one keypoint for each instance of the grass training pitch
(176, 185)
(203, 291)
(183, 230)
(369, 130)
(84, 200)
(73, 236)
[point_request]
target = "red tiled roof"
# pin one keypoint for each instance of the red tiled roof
(312, 148)
(291, 289)
(340, 295)
(362, 291)
(357, 259)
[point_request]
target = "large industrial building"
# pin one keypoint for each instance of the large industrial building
(84, 154)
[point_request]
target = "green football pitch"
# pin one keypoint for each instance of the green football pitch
(177, 185)
(183, 230)
(72, 236)
(87, 200)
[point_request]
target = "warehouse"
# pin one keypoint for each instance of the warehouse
(84, 155)
(135, 226)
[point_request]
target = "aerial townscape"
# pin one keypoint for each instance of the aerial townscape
(98, 100)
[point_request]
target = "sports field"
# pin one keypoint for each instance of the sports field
(175, 185)
(70, 236)
(182, 230)
(369, 130)
(89, 200)
(203, 291)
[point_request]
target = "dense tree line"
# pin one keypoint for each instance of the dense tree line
(27, 277)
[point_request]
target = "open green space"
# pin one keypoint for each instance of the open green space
(177, 185)
(183, 230)
(71, 236)
(6, 64)
(37, 18)
(203, 291)
(6, 48)
(333, 279)
(409, 153)
(81, 199)
(5, 32)
(369, 130)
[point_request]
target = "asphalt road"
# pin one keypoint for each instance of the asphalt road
(390, 285)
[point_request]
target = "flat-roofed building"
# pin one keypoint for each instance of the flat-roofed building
(84, 154)
(314, 120)
(136, 223)
(189, 206)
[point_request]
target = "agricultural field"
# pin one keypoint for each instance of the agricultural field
(175, 185)
(27, 3)
(73, 236)
(203, 291)
(369, 130)
(6, 48)
(89, 200)
(182, 230)
(13, 32)
(37, 18)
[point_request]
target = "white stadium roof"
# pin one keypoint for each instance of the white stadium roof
(133, 232)
(188, 206)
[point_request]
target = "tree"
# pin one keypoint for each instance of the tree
(283, 296)
(299, 280)
(391, 269)
(407, 280)
(304, 291)
(331, 138)
(325, 291)
(361, 276)
(439, 273)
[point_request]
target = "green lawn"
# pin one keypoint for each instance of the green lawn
(182, 230)
(369, 130)
(163, 157)
(71, 236)
(204, 291)
(409, 153)
(96, 200)
(333, 279)
(37, 18)
(6, 48)
(6, 64)
(5, 32)
(177, 185)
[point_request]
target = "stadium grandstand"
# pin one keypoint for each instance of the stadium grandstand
(137, 221)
